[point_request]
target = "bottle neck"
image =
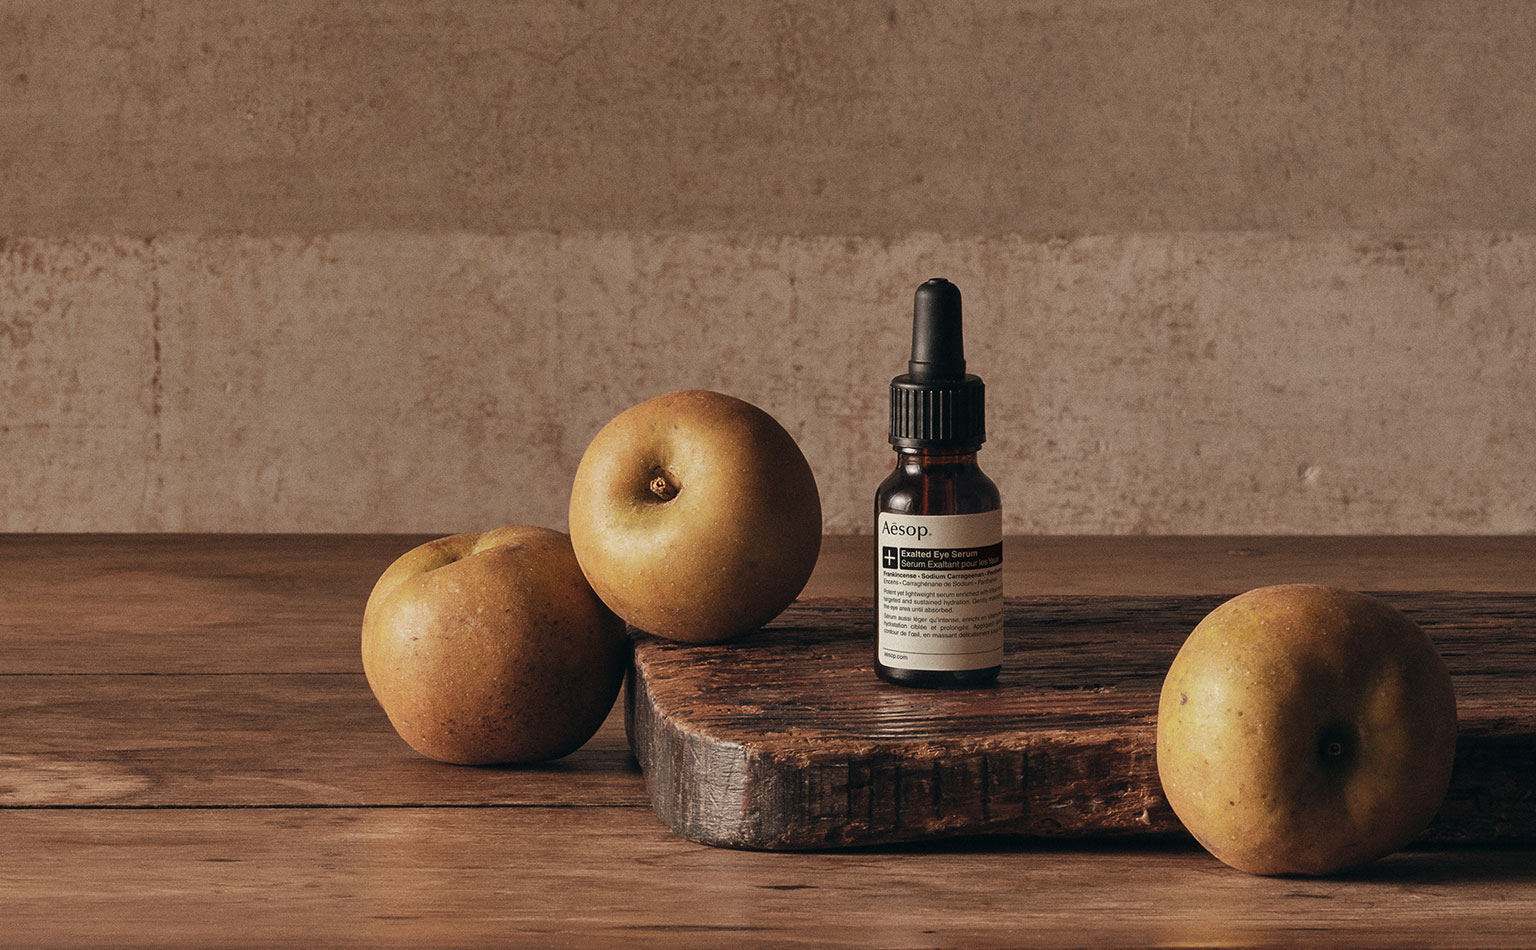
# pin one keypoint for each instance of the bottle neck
(911, 458)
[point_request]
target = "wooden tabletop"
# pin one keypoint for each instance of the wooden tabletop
(189, 755)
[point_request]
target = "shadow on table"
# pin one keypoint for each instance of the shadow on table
(1510, 862)
(1447, 864)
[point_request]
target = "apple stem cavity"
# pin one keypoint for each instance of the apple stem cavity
(1336, 744)
(661, 486)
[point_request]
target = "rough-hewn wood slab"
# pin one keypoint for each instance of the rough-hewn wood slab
(596, 877)
(244, 740)
(788, 740)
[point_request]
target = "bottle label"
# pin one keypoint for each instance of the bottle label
(940, 590)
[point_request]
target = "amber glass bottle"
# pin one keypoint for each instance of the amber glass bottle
(938, 517)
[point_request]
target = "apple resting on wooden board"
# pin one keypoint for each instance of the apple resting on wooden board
(491, 647)
(695, 516)
(1305, 730)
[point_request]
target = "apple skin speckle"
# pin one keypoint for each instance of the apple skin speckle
(1300, 660)
(691, 567)
(461, 650)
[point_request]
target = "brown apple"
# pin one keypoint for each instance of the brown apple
(1305, 730)
(492, 647)
(695, 516)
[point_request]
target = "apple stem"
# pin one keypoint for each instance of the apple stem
(662, 488)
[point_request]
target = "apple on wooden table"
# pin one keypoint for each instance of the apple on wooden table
(1305, 729)
(695, 516)
(492, 647)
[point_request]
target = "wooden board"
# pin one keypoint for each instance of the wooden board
(613, 877)
(246, 740)
(210, 603)
(787, 740)
(161, 604)
(191, 758)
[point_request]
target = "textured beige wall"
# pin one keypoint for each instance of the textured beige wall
(1239, 268)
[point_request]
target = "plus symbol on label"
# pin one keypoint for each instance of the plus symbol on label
(888, 558)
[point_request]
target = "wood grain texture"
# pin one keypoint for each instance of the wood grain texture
(470, 877)
(245, 740)
(189, 757)
(787, 740)
(124, 603)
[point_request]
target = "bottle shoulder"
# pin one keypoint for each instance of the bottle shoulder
(943, 489)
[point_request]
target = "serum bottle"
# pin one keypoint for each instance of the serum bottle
(938, 518)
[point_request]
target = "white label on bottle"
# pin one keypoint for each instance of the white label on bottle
(940, 590)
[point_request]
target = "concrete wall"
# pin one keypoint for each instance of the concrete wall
(388, 265)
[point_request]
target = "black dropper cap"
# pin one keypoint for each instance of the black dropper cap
(937, 404)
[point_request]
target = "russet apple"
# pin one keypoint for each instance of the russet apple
(695, 516)
(1305, 730)
(492, 647)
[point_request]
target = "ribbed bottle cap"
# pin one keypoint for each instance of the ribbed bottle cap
(936, 404)
(938, 415)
